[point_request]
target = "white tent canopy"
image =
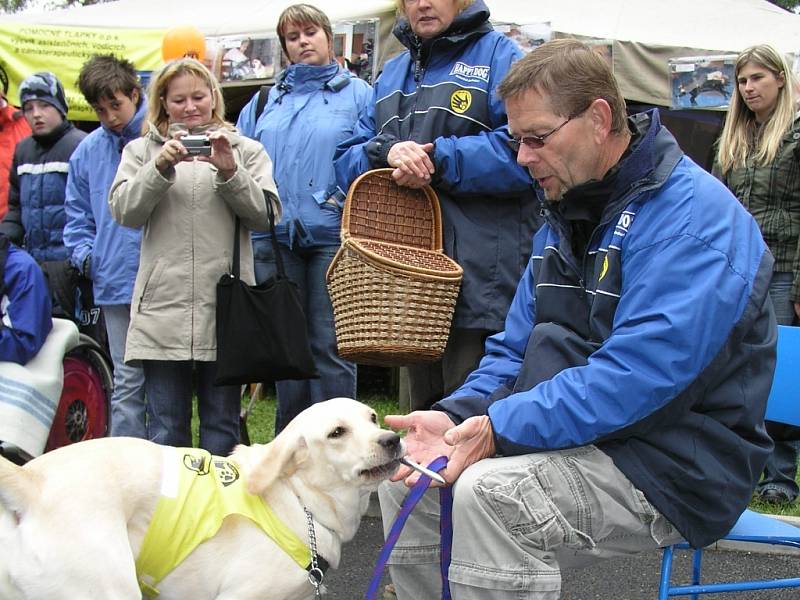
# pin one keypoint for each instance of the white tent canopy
(715, 25)
(645, 33)
(212, 17)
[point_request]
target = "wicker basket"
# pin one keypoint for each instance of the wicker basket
(392, 288)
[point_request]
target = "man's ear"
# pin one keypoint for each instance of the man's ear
(599, 112)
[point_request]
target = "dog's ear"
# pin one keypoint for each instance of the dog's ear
(280, 458)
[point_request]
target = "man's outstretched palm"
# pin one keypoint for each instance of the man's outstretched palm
(432, 433)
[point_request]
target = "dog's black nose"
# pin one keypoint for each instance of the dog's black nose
(389, 440)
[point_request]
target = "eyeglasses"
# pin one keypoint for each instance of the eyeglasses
(534, 142)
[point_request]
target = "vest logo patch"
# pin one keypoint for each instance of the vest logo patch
(198, 464)
(471, 73)
(227, 473)
(460, 101)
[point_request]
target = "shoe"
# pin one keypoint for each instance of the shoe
(775, 496)
(389, 593)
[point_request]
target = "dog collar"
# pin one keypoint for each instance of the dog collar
(318, 565)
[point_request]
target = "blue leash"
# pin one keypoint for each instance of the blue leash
(445, 530)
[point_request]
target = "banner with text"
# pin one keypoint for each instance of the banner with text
(26, 49)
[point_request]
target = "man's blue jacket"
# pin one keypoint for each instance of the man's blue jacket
(657, 345)
(90, 231)
(442, 91)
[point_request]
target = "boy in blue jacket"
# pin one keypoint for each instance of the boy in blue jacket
(104, 251)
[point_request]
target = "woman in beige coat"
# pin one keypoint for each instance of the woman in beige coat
(186, 205)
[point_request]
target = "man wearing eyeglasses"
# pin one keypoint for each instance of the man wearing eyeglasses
(621, 409)
(435, 120)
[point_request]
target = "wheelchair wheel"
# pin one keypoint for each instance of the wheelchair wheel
(83, 410)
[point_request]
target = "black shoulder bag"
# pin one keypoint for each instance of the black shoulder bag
(261, 330)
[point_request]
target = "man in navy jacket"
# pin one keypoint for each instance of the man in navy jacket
(622, 407)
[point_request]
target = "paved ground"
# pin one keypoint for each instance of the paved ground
(624, 579)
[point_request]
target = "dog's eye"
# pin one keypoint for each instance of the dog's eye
(338, 432)
(374, 418)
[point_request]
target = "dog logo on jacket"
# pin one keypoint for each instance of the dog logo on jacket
(198, 464)
(227, 473)
(460, 101)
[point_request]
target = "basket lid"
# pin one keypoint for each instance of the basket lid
(377, 208)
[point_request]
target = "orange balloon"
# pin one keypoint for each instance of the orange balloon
(184, 41)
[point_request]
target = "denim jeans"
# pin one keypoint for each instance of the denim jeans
(337, 377)
(519, 520)
(169, 386)
(781, 468)
(128, 411)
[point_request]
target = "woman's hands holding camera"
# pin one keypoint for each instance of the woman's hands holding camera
(172, 152)
(222, 157)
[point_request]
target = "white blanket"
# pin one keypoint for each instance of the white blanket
(29, 394)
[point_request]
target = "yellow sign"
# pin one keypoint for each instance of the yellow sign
(460, 101)
(27, 48)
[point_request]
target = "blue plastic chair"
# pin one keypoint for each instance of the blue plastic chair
(783, 406)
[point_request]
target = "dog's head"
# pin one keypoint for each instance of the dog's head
(330, 445)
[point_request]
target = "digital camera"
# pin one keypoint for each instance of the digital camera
(197, 145)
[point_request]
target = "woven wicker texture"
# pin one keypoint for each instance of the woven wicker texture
(405, 258)
(393, 290)
(379, 209)
(384, 318)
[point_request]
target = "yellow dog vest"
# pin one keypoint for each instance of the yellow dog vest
(197, 492)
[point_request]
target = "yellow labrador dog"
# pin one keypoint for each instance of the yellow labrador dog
(75, 522)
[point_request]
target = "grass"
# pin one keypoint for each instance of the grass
(261, 420)
(261, 426)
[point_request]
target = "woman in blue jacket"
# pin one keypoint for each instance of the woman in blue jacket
(314, 106)
(436, 120)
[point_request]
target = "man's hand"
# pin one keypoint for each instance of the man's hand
(424, 440)
(431, 433)
(412, 164)
(797, 309)
(472, 441)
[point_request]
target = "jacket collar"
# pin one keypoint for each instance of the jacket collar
(133, 129)
(471, 22)
(230, 132)
(49, 140)
(300, 78)
(648, 162)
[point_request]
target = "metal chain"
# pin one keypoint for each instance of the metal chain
(315, 574)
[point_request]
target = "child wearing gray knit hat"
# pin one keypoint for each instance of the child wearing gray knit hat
(46, 87)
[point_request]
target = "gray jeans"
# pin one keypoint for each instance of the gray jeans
(517, 521)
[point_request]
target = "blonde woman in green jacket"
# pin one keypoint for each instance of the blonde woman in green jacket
(758, 158)
(186, 206)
